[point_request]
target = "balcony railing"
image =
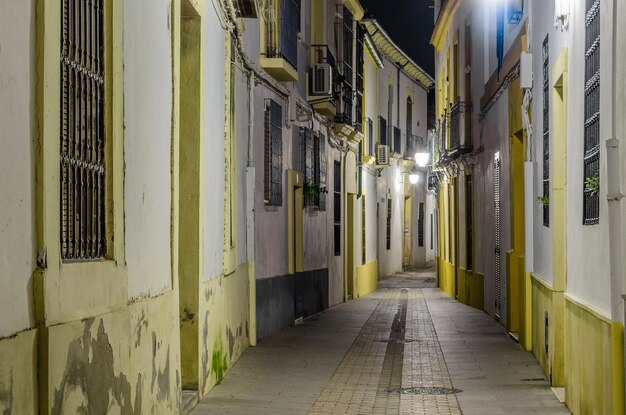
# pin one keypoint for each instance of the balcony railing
(414, 144)
(281, 33)
(440, 149)
(460, 129)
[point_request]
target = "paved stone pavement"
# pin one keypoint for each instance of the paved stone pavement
(408, 348)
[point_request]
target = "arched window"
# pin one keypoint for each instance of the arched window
(409, 142)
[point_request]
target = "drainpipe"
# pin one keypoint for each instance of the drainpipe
(250, 220)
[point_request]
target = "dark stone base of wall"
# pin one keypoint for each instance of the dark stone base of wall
(280, 300)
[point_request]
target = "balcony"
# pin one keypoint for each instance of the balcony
(324, 104)
(279, 48)
(460, 129)
(440, 147)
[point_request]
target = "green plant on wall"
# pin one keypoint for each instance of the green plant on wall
(592, 184)
(311, 193)
(544, 200)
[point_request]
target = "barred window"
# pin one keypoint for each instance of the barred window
(388, 224)
(363, 232)
(320, 171)
(337, 207)
(360, 85)
(308, 157)
(83, 229)
(546, 131)
(370, 137)
(382, 130)
(591, 162)
(469, 220)
(420, 226)
(273, 153)
(397, 140)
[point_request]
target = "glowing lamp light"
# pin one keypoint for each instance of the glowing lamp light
(414, 176)
(422, 159)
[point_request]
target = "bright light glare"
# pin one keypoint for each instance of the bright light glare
(422, 159)
(414, 178)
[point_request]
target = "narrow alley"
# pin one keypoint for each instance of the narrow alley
(407, 348)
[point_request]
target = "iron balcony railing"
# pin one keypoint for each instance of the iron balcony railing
(440, 149)
(281, 32)
(460, 129)
(414, 144)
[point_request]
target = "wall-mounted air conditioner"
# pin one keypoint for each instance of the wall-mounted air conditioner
(382, 155)
(321, 80)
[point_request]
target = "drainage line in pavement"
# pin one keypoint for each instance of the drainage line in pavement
(391, 374)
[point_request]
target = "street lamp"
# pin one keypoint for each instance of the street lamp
(414, 176)
(422, 159)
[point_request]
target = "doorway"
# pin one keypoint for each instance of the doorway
(350, 263)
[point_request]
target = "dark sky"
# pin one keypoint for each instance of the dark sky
(410, 24)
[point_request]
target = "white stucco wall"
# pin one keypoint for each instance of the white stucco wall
(147, 144)
(213, 115)
(17, 164)
(587, 259)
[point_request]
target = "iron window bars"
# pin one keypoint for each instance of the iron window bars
(337, 207)
(388, 224)
(313, 148)
(591, 200)
(397, 140)
(382, 130)
(281, 33)
(546, 130)
(273, 172)
(420, 226)
(83, 229)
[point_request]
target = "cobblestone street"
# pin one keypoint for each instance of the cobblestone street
(405, 349)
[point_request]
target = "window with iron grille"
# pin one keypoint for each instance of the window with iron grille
(360, 63)
(363, 232)
(546, 130)
(432, 224)
(397, 140)
(83, 229)
(591, 199)
(370, 137)
(281, 34)
(388, 224)
(382, 130)
(273, 153)
(307, 140)
(320, 170)
(469, 220)
(420, 226)
(337, 207)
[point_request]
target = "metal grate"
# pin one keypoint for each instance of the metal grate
(360, 84)
(591, 199)
(397, 140)
(82, 137)
(469, 220)
(320, 170)
(308, 165)
(382, 130)
(496, 180)
(420, 226)
(388, 224)
(273, 153)
(337, 207)
(546, 131)
(370, 137)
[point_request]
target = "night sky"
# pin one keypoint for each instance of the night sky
(410, 25)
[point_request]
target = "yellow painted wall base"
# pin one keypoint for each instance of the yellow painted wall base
(471, 288)
(594, 369)
(18, 374)
(445, 273)
(367, 278)
(546, 300)
(224, 326)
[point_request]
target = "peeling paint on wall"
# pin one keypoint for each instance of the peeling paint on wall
(6, 397)
(88, 372)
(160, 378)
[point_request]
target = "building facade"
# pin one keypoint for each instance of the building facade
(182, 179)
(528, 177)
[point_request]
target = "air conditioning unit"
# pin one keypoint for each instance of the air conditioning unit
(321, 80)
(382, 155)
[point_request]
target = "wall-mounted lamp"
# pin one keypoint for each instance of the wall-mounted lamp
(422, 159)
(414, 176)
(561, 14)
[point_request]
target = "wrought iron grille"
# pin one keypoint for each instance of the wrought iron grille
(273, 153)
(388, 224)
(307, 146)
(382, 130)
(546, 130)
(281, 34)
(397, 140)
(469, 220)
(363, 232)
(455, 126)
(496, 175)
(420, 226)
(82, 137)
(337, 207)
(370, 137)
(320, 172)
(360, 85)
(591, 200)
